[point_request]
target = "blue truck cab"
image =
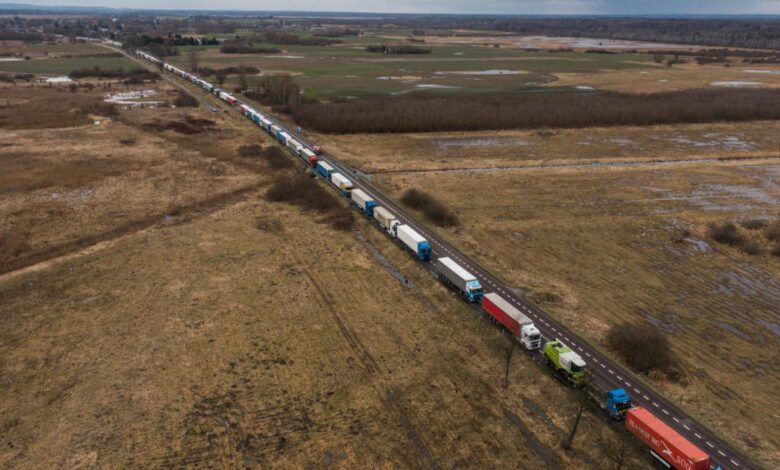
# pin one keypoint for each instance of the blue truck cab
(617, 403)
(474, 291)
(369, 210)
(424, 251)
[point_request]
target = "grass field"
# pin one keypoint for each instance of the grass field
(67, 180)
(388, 153)
(64, 66)
(348, 70)
(605, 246)
(229, 340)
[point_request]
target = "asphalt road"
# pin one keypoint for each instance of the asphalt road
(605, 372)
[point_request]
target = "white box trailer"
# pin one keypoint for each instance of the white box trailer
(386, 220)
(464, 281)
(341, 182)
(364, 201)
(416, 242)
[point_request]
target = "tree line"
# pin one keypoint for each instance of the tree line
(438, 113)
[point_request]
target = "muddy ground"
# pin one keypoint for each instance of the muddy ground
(606, 246)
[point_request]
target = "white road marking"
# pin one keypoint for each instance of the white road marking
(686, 427)
(675, 419)
(655, 404)
(709, 445)
(645, 397)
(735, 463)
(665, 412)
(697, 435)
(721, 453)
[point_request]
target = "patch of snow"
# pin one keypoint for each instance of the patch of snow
(584, 88)
(284, 57)
(11, 59)
(663, 80)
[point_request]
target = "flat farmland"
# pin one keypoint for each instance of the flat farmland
(78, 170)
(497, 150)
(255, 336)
(63, 66)
(599, 247)
(348, 70)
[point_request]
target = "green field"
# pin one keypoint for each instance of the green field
(348, 70)
(65, 66)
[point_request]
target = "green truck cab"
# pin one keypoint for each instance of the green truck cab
(566, 362)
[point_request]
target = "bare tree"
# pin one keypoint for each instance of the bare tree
(509, 359)
(575, 424)
(193, 59)
(615, 450)
(243, 82)
(221, 79)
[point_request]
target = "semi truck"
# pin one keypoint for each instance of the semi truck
(521, 327)
(282, 137)
(341, 182)
(414, 241)
(364, 201)
(666, 445)
(310, 157)
(616, 402)
(452, 273)
(567, 363)
(386, 220)
(324, 169)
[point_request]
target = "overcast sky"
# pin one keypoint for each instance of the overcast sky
(517, 7)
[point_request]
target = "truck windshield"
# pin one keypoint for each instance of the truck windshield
(575, 368)
(623, 406)
(534, 337)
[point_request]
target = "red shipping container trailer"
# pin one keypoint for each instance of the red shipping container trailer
(665, 441)
(500, 315)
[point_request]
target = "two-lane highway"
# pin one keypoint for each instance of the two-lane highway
(604, 370)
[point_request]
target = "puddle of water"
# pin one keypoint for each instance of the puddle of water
(763, 71)
(446, 144)
(728, 142)
(736, 83)
(699, 245)
(773, 327)
(732, 329)
(483, 72)
(667, 326)
(430, 85)
(63, 79)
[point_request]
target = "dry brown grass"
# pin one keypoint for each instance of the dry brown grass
(65, 188)
(606, 242)
(44, 108)
(104, 355)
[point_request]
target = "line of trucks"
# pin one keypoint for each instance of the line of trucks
(668, 446)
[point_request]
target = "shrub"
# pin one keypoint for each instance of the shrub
(342, 220)
(753, 224)
(398, 49)
(252, 150)
(726, 233)
(773, 233)
(433, 209)
(776, 250)
(751, 248)
(185, 100)
(643, 348)
(276, 158)
(130, 141)
(301, 191)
